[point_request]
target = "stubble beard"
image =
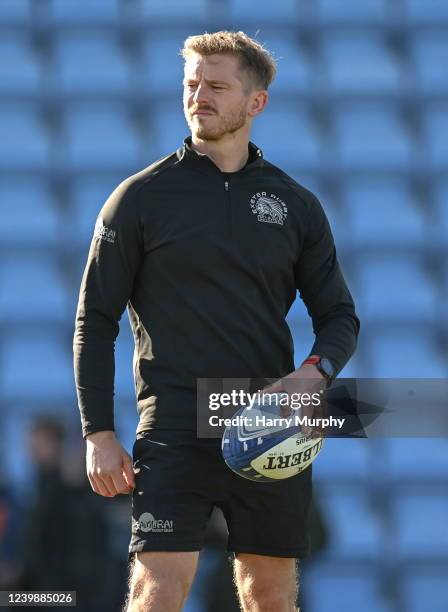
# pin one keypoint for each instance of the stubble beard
(225, 124)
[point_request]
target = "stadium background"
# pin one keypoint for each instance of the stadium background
(90, 92)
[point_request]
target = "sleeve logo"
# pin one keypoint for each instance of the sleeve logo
(104, 233)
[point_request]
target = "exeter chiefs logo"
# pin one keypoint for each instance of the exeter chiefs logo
(268, 208)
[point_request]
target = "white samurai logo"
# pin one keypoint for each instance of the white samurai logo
(268, 208)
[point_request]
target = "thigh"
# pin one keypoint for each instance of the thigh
(173, 567)
(171, 501)
(270, 518)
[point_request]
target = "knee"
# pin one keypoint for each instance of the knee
(149, 590)
(265, 597)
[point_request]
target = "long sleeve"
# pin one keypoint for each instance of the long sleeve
(107, 284)
(323, 290)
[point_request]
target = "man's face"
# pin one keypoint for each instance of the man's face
(215, 100)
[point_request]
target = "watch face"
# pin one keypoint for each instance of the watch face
(326, 366)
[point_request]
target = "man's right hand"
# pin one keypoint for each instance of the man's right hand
(109, 466)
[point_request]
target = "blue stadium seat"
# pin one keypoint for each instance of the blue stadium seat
(288, 133)
(344, 460)
(264, 12)
(336, 587)
(395, 288)
(47, 357)
(424, 588)
(441, 215)
(167, 129)
(88, 194)
(420, 523)
(359, 63)
(402, 354)
(20, 71)
(172, 11)
(356, 530)
(32, 218)
(90, 64)
(352, 11)
(372, 137)
(294, 69)
(382, 212)
(430, 58)
(400, 465)
(161, 68)
(15, 13)
(436, 128)
(100, 137)
(33, 289)
(92, 13)
(421, 12)
(24, 140)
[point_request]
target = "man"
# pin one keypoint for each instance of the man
(207, 248)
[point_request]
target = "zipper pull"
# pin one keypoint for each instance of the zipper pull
(226, 185)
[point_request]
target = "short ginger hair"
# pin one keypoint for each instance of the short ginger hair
(254, 59)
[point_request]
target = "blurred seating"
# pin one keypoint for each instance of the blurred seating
(265, 11)
(359, 62)
(20, 68)
(414, 356)
(167, 128)
(92, 13)
(335, 12)
(420, 523)
(90, 63)
(424, 587)
(395, 288)
(343, 460)
(172, 11)
(438, 233)
(367, 206)
(272, 130)
(32, 289)
(32, 219)
(372, 137)
(338, 588)
(344, 509)
(15, 13)
(294, 73)
(160, 69)
(435, 128)
(25, 142)
(100, 137)
(430, 58)
(400, 464)
(46, 355)
(422, 12)
(88, 194)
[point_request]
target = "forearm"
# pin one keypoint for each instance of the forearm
(94, 366)
(336, 337)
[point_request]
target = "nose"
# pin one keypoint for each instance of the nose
(200, 95)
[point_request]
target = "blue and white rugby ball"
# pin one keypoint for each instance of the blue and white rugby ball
(263, 452)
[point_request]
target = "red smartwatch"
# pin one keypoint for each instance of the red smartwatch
(324, 366)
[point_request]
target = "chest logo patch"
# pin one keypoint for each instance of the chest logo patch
(269, 208)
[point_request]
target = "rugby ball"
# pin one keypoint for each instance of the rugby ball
(261, 446)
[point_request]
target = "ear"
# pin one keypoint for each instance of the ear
(259, 99)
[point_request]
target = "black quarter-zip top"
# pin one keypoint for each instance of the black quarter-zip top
(208, 264)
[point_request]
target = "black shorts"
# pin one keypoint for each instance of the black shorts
(181, 478)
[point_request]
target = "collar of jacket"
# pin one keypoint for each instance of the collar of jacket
(203, 163)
